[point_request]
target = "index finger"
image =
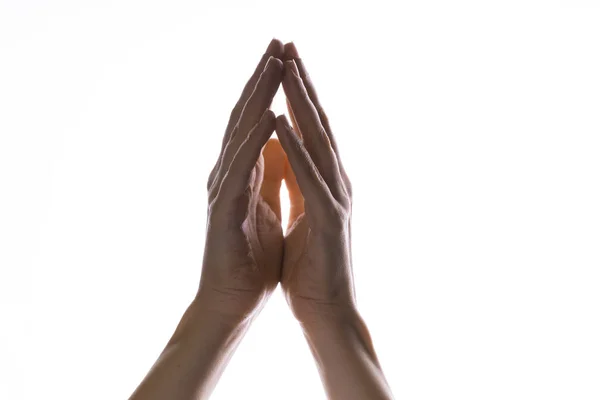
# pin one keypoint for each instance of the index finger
(262, 95)
(275, 49)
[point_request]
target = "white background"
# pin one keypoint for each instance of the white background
(470, 131)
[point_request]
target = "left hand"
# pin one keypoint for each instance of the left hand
(317, 276)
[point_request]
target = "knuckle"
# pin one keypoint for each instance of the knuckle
(322, 134)
(214, 183)
(348, 185)
(215, 212)
(211, 179)
(322, 114)
(228, 213)
(333, 219)
(346, 202)
(235, 111)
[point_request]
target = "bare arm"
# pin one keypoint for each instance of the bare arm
(195, 357)
(346, 359)
(317, 273)
(242, 254)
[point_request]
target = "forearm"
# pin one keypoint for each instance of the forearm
(346, 360)
(193, 360)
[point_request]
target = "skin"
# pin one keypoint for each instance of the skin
(317, 274)
(247, 255)
(243, 250)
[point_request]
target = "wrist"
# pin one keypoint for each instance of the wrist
(230, 307)
(201, 322)
(344, 329)
(194, 358)
(314, 315)
(333, 319)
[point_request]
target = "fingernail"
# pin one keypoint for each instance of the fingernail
(290, 66)
(269, 63)
(272, 62)
(290, 51)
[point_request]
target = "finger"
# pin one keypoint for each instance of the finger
(295, 195)
(262, 96)
(291, 53)
(273, 172)
(314, 189)
(296, 199)
(259, 101)
(237, 178)
(275, 49)
(293, 118)
(313, 133)
(256, 178)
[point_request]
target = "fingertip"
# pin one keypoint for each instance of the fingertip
(290, 51)
(275, 48)
(291, 65)
(270, 115)
(274, 63)
(270, 119)
(282, 122)
(290, 70)
(266, 122)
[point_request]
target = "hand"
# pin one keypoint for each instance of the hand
(243, 251)
(317, 268)
(244, 240)
(245, 245)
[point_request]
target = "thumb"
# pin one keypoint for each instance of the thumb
(274, 167)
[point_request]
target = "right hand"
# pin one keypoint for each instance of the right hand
(244, 240)
(317, 274)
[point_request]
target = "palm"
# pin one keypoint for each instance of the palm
(304, 276)
(312, 266)
(249, 256)
(244, 243)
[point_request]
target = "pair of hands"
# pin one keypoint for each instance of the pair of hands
(246, 252)
(247, 255)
